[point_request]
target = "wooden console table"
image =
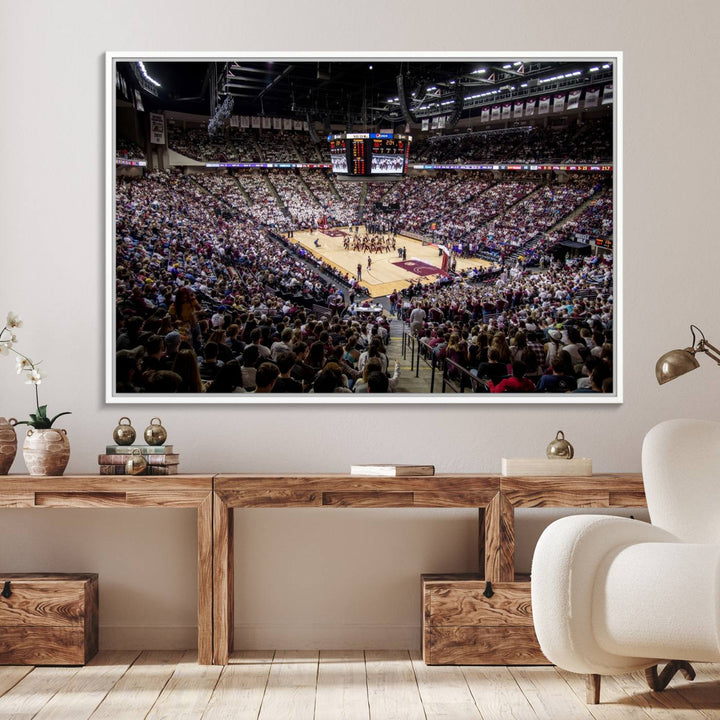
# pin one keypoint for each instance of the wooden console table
(111, 491)
(215, 498)
(495, 497)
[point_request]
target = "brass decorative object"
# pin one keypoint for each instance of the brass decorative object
(124, 433)
(155, 433)
(136, 463)
(677, 362)
(560, 448)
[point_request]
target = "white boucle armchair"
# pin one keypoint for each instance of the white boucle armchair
(613, 595)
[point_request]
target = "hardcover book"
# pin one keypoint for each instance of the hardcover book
(392, 470)
(144, 449)
(110, 459)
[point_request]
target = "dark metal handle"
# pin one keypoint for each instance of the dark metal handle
(6, 592)
(488, 592)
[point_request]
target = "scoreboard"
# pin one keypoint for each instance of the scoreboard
(369, 153)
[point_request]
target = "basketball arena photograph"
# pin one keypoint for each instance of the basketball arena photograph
(363, 229)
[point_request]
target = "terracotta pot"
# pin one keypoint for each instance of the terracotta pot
(46, 452)
(8, 444)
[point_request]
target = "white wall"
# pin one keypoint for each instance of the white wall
(331, 578)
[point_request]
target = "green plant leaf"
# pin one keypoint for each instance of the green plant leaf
(67, 412)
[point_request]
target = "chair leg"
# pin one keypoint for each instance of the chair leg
(592, 689)
(660, 682)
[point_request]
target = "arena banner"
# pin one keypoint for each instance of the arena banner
(157, 128)
(453, 240)
(592, 96)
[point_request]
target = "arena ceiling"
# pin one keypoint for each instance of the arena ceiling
(353, 91)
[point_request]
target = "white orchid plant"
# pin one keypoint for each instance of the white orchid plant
(25, 366)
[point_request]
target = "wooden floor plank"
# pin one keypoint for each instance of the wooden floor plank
(240, 691)
(139, 688)
(392, 688)
(615, 703)
(348, 685)
(79, 698)
(290, 692)
(342, 686)
(188, 692)
(444, 691)
(549, 694)
(34, 691)
(11, 675)
(497, 694)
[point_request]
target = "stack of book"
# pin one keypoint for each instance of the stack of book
(160, 459)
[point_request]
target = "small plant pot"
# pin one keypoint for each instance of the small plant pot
(46, 452)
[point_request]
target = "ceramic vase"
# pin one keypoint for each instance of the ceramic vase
(47, 451)
(8, 445)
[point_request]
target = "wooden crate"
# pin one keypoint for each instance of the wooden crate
(48, 618)
(461, 626)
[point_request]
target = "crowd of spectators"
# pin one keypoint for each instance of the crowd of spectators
(128, 150)
(522, 332)
(595, 219)
(589, 141)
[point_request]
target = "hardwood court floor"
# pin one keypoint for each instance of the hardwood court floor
(384, 276)
(348, 685)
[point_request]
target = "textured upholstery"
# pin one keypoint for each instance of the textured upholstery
(612, 595)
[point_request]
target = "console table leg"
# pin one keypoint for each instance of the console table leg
(223, 581)
(205, 581)
(500, 540)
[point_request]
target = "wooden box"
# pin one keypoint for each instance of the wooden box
(461, 626)
(48, 618)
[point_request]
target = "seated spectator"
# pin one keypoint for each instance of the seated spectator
(560, 379)
(377, 382)
(265, 377)
(186, 366)
(517, 382)
(285, 382)
(210, 365)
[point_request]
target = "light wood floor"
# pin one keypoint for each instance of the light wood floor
(384, 276)
(370, 685)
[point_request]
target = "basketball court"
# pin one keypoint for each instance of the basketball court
(385, 274)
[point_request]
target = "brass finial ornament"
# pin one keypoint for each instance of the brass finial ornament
(678, 362)
(155, 433)
(560, 448)
(136, 463)
(124, 433)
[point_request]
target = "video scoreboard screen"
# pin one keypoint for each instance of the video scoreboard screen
(338, 156)
(369, 153)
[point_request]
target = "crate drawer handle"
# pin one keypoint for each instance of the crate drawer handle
(6, 592)
(488, 592)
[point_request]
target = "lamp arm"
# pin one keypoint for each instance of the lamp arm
(710, 350)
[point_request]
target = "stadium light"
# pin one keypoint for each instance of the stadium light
(141, 65)
(678, 362)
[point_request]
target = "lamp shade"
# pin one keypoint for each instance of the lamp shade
(675, 363)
